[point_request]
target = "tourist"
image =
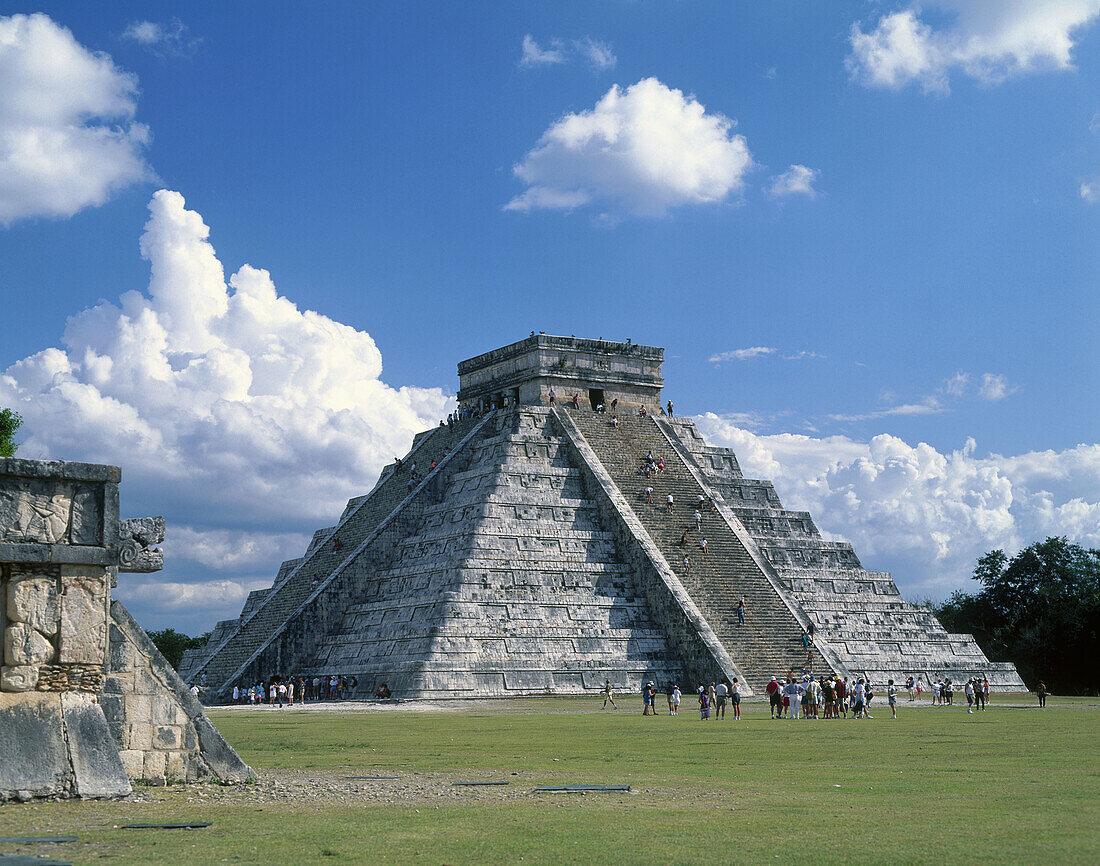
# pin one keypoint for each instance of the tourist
(712, 697)
(785, 700)
(551, 395)
(920, 687)
(774, 703)
(892, 697)
(669, 502)
(985, 692)
(687, 565)
(721, 693)
(698, 520)
(842, 697)
(668, 695)
(700, 500)
(937, 689)
(576, 401)
(236, 695)
(910, 685)
(669, 408)
(735, 699)
(947, 692)
(813, 692)
(703, 546)
(979, 696)
(608, 696)
(792, 699)
(660, 464)
(649, 698)
(857, 700)
(1041, 693)
(813, 628)
(676, 695)
(867, 695)
(741, 610)
(290, 692)
(648, 495)
(968, 690)
(684, 539)
(614, 404)
(704, 707)
(614, 422)
(828, 695)
(194, 691)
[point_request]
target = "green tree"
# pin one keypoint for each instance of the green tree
(173, 644)
(9, 423)
(1041, 609)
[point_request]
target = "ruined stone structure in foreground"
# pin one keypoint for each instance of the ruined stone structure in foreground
(87, 702)
(529, 560)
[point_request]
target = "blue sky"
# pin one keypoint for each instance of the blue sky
(927, 275)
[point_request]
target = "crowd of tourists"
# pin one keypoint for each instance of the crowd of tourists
(281, 691)
(812, 697)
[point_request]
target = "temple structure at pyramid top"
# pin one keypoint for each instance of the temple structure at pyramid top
(536, 546)
(600, 371)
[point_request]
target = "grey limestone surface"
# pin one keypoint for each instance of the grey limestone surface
(86, 701)
(520, 565)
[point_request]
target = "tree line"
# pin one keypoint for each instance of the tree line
(1040, 609)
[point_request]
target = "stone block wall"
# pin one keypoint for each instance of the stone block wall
(66, 729)
(160, 727)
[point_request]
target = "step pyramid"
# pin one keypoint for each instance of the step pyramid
(525, 557)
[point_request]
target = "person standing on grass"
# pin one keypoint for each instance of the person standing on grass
(985, 692)
(772, 690)
(704, 707)
(892, 697)
(608, 696)
(792, 701)
(720, 692)
(842, 696)
(937, 688)
(676, 695)
(1041, 693)
(735, 699)
(979, 696)
(969, 690)
(669, 689)
(867, 695)
(857, 700)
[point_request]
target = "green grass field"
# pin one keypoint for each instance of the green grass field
(936, 786)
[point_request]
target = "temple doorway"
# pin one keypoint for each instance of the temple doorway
(595, 396)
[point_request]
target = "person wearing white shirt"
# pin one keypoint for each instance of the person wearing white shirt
(793, 691)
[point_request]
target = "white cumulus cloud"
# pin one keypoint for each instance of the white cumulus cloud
(241, 418)
(534, 54)
(163, 38)
(599, 55)
(995, 387)
(989, 40)
(920, 513)
(1090, 191)
(797, 180)
(639, 151)
(742, 354)
(67, 135)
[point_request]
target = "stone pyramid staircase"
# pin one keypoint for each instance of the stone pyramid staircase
(297, 579)
(769, 642)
